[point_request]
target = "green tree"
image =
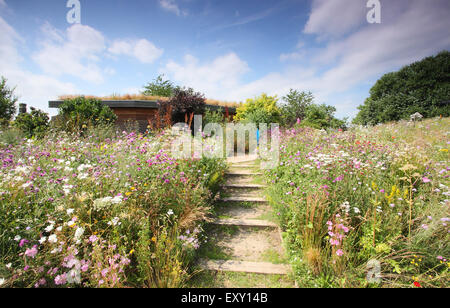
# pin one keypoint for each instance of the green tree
(7, 102)
(422, 87)
(80, 113)
(32, 124)
(322, 117)
(296, 105)
(262, 109)
(160, 87)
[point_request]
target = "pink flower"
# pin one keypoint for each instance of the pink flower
(93, 238)
(60, 279)
(31, 252)
(339, 252)
(425, 227)
(426, 180)
(23, 242)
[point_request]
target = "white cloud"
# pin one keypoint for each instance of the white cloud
(76, 52)
(410, 30)
(335, 17)
(171, 6)
(216, 78)
(143, 50)
(33, 89)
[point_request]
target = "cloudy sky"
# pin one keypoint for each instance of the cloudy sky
(229, 50)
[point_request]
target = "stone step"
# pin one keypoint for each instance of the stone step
(244, 186)
(244, 199)
(244, 166)
(242, 172)
(245, 267)
(245, 223)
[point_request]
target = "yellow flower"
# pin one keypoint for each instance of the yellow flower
(128, 193)
(443, 150)
(131, 251)
(154, 239)
(133, 188)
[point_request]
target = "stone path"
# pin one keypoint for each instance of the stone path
(244, 231)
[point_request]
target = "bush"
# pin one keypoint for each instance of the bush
(34, 124)
(79, 114)
(422, 87)
(160, 87)
(213, 117)
(183, 104)
(322, 117)
(262, 109)
(296, 106)
(7, 103)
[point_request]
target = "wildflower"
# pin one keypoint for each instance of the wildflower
(49, 228)
(426, 180)
(53, 238)
(339, 252)
(417, 284)
(23, 242)
(425, 227)
(2, 281)
(31, 252)
(170, 212)
(60, 279)
(93, 238)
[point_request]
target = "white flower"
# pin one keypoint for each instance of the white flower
(79, 232)
(42, 240)
(70, 211)
(114, 222)
(59, 229)
(53, 238)
(17, 238)
(357, 211)
(71, 223)
(49, 228)
(2, 281)
(8, 265)
(170, 212)
(26, 185)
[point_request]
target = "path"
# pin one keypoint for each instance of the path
(244, 247)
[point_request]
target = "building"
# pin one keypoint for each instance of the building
(141, 111)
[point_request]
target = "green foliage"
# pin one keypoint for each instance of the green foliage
(7, 102)
(421, 87)
(160, 87)
(296, 106)
(184, 102)
(79, 114)
(213, 117)
(322, 117)
(262, 109)
(34, 124)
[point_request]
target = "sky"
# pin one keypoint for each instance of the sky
(227, 49)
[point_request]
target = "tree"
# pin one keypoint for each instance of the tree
(78, 114)
(184, 103)
(261, 109)
(321, 117)
(296, 105)
(422, 87)
(160, 87)
(7, 102)
(32, 124)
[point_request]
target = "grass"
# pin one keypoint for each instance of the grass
(213, 279)
(123, 97)
(272, 256)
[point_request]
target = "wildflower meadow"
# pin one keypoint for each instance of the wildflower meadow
(90, 212)
(366, 206)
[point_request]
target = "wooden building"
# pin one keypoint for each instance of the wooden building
(140, 111)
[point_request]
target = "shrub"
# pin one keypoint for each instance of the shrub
(296, 106)
(78, 114)
(262, 109)
(7, 103)
(422, 87)
(160, 87)
(184, 103)
(34, 124)
(322, 117)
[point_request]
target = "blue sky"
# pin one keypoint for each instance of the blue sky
(229, 50)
